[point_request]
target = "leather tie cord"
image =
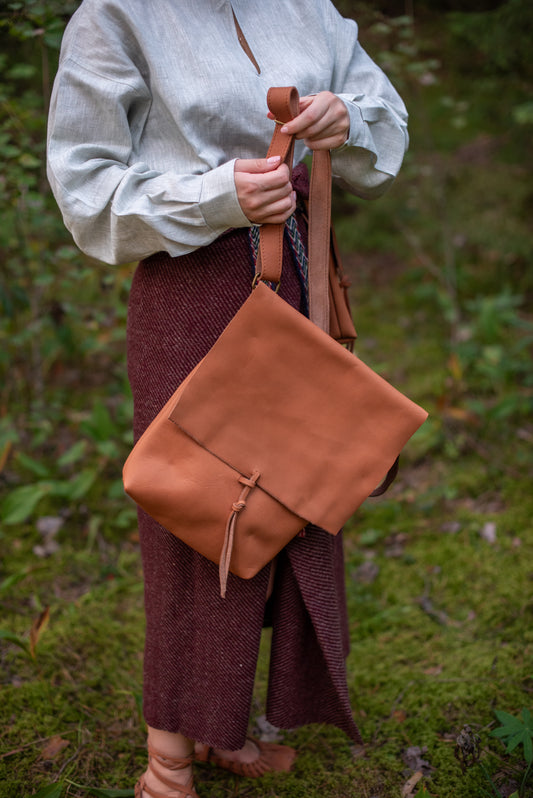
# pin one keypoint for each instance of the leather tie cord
(229, 537)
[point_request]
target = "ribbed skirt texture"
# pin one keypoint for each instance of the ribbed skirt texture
(201, 650)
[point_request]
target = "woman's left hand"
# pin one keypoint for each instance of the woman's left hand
(323, 122)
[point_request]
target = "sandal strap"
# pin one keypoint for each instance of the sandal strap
(170, 763)
(183, 791)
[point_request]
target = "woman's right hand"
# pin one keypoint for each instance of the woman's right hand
(264, 189)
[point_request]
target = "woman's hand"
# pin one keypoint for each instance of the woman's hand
(264, 190)
(323, 122)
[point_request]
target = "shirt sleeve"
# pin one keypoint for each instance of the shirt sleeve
(371, 157)
(119, 209)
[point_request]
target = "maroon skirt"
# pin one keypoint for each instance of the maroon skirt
(200, 650)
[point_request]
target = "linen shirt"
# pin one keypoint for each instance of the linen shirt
(155, 99)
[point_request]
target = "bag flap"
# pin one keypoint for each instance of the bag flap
(276, 394)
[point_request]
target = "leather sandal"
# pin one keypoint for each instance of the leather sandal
(171, 763)
(271, 757)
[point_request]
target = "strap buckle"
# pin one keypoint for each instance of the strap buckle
(257, 279)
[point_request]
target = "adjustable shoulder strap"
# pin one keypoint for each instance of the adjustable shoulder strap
(319, 238)
(283, 102)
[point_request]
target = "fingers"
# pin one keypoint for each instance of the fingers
(266, 195)
(257, 165)
(275, 212)
(323, 122)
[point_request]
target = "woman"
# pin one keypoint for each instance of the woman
(157, 135)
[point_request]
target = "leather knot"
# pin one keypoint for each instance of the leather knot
(249, 481)
(248, 484)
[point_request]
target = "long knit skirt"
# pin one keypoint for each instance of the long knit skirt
(201, 650)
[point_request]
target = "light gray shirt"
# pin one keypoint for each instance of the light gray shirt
(155, 99)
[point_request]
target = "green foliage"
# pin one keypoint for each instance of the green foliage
(87, 461)
(516, 731)
(396, 45)
(105, 793)
(62, 317)
(9, 637)
(502, 37)
(52, 791)
(513, 732)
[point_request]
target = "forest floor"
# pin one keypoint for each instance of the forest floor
(439, 577)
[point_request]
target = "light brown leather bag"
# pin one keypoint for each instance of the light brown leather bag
(279, 425)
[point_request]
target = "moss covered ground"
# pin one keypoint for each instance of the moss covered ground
(439, 578)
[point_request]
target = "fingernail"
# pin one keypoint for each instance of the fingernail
(283, 129)
(274, 158)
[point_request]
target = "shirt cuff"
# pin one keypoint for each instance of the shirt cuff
(359, 134)
(219, 204)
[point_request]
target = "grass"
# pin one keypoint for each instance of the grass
(440, 620)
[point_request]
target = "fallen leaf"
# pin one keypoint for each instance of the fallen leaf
(488, 532)
(4, 454)
(451, 527)
(48, 548)
(54, 747)
(434, 671)
(49, 525)
(454, 365)
(399, 716)
(395, 545)
(37, 628)
(367, 573)
(413, 759)
(357, 751)
(410, 784)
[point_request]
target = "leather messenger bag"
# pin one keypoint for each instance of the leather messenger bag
(279, 425)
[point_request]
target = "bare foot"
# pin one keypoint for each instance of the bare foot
(249, 753)
(253, 760)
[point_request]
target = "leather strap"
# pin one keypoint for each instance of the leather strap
(319, 238)
(283, 102)
(389, 479)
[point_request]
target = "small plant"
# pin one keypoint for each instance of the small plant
(514, 732)
(468, 753)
